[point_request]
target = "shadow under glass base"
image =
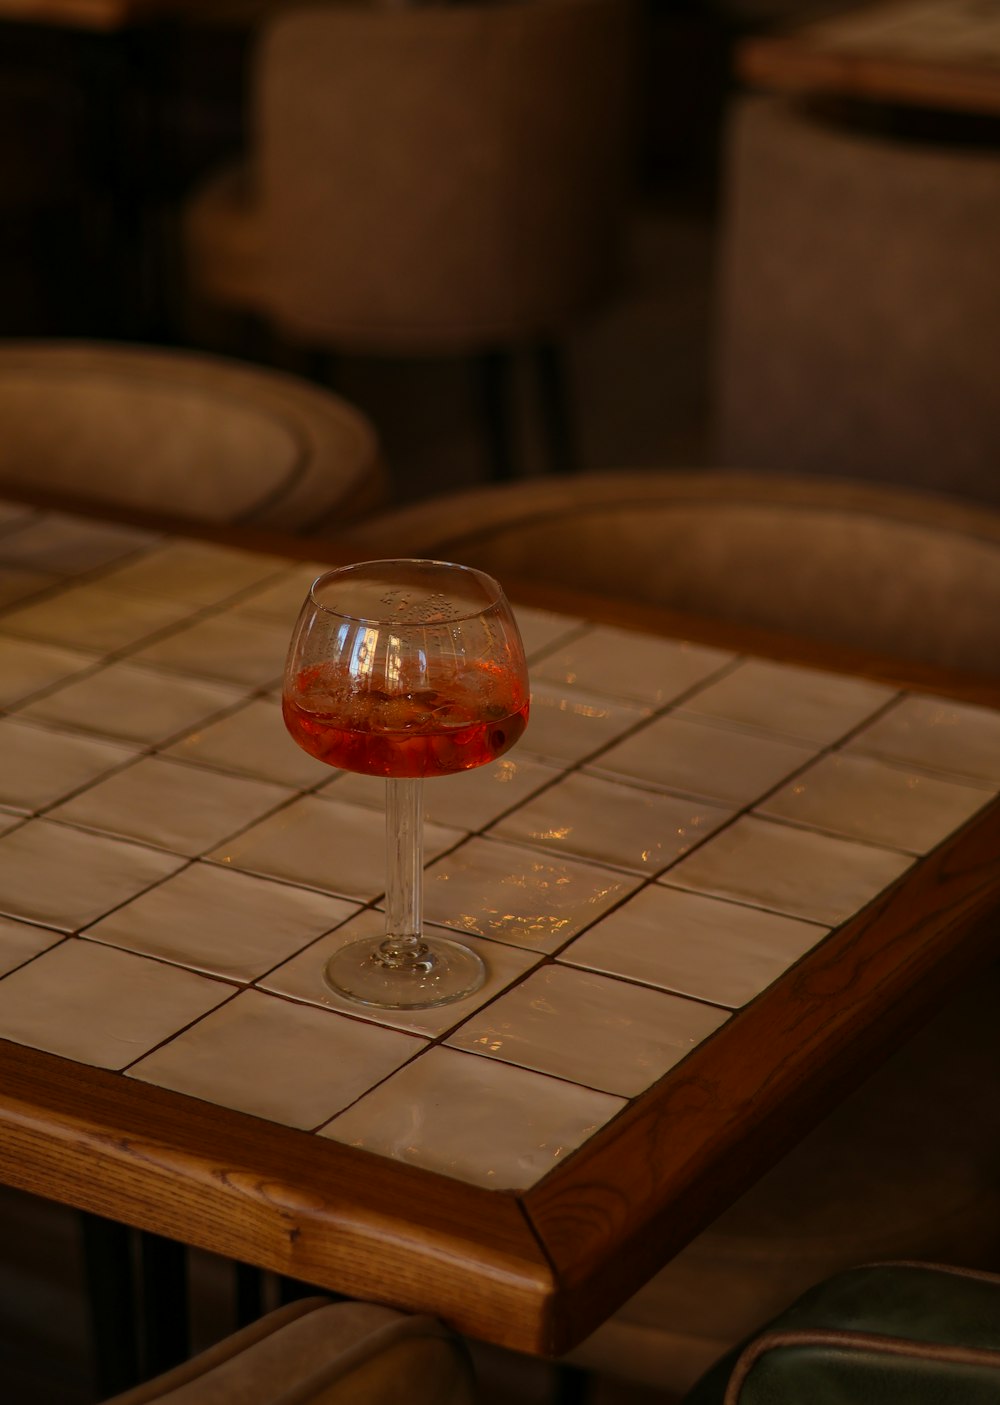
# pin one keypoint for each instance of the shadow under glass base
(436, 972)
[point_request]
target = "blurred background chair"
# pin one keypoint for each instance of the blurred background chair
(901, 1333)
(906, 1165)
(429, 181)
(318, 1352)
(185, 434)
(858, 294)
(902, 573)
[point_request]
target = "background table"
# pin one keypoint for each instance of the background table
(711, 886)
(934, 53)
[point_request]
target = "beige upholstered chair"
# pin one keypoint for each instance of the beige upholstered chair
(185, 434)
(907, 574)
(858, 298)
(427, 179)
(906, 1166)
(318, 1352)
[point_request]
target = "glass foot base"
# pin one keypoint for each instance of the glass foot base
(442, 972)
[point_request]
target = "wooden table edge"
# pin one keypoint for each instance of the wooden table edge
(312, 1209)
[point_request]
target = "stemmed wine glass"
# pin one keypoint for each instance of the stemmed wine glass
(405, 669)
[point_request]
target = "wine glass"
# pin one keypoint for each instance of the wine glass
(405, 669)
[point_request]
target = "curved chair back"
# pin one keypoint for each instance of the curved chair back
(185, 434)
(440, 177)
(318, 1352)
(904, 574)
(900, 1333)
(858, 317)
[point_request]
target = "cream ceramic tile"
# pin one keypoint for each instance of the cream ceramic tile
(566, 724)
(804, 704)
(254, 742)
(817, 877)
(228, 647)
(101, 1006)
(281, 600)
(19, 942)
(468, 801)
(199, 573)
(956, 739)
(542, 629)
(92, 617)
(26, 667)
(302, 977)
(39, 766)
(695, 945)
(289, 1063)
(476, 1120)
(68, 546)
(16, 583)
(867, 799)
(95, 874)
(185, 809)
(133, 703)
(704, 758)
(623, 664)
(222, 923)
(589, 1029)
(519, 895)
(590, 817)
(325, 844)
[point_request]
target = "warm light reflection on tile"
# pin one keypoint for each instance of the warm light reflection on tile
(517, 895)
(589, 1029)
(567, 724)
(867, 799)
(956, 739)
(817, 877)
(591, 817)
(621, 663)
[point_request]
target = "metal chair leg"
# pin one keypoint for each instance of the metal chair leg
(572, 1385)
(556, 409)
(111, 1296)
(165, 1333)
(496, 373)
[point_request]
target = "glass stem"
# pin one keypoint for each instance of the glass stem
(404, 847)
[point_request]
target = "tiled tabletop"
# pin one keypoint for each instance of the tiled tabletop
(679, 826)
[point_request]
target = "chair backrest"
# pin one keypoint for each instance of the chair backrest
(904, 574)
(858, 300)
(183, 433)
(318, 1352)
(907, 1333)
(441, 176)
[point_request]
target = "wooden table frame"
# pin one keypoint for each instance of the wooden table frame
(535, 1271)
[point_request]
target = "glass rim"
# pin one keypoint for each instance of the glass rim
(495, 589)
